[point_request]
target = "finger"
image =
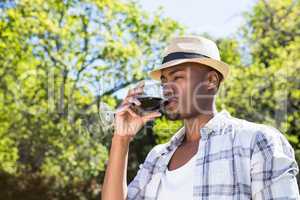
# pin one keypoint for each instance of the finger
(150, 116)
(122, 108)
(153, 114)
(136, 90)
(141, 84)
(134, 101)
(130, 91)
(132, 113)
(126, 108)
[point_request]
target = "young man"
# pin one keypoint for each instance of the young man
(214, 156)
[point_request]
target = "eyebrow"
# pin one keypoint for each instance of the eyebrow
(170, 73)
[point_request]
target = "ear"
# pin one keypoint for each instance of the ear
(212, 80)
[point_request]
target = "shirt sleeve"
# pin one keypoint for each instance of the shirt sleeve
(273, 167)
(136, 187)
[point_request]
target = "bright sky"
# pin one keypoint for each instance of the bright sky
(219, 18)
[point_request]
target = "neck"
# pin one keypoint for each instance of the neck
(193, 125)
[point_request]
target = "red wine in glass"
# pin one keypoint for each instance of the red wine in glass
(152, 98)
(149, 103)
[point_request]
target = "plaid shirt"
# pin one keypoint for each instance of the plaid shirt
(236, 159)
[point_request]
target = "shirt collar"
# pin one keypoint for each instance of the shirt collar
(214, 126)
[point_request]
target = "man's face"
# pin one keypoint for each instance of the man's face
(188, 90)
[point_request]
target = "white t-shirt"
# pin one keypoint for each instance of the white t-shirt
(177, 184)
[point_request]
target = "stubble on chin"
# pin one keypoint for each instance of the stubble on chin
(173, 116)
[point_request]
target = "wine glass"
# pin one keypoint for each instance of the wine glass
(151, 99)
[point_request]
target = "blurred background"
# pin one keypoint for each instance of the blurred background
(66, 64)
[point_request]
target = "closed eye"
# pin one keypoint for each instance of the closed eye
(177, 77)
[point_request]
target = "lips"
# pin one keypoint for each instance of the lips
(171, 101)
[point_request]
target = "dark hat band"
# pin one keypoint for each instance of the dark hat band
(182, 55)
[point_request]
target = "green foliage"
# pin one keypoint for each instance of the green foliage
(164, 129)
(59, 60)
(267, 89)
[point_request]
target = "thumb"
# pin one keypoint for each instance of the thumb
(150, 116)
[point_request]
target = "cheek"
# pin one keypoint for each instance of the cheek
(192, 92)
(181, 88)
(200, 89)
(185, 93)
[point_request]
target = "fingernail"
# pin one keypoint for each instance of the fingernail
(141, 83)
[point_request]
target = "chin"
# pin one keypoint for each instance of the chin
(173, 116)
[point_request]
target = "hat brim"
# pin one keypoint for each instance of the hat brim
(220, 66)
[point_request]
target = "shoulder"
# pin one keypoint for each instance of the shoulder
(261, 135)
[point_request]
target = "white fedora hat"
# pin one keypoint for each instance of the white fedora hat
(191, 49)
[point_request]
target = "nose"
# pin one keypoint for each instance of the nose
(168, 90)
